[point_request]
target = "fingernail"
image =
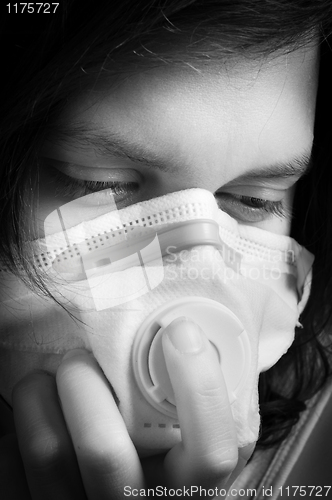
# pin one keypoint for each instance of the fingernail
(185, 335)
(75, 352)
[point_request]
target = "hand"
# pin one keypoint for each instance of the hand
(81, 448)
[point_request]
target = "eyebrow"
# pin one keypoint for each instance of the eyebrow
(296, 167)
(111, 143)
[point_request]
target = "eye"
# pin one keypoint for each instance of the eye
(66, 186)
(251, 209)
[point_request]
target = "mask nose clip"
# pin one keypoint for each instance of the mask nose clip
(221, 326)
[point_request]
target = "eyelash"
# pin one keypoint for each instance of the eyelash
(244, 208)
(76, 188)
(250, 208)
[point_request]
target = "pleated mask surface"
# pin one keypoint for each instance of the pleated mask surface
(121, 276)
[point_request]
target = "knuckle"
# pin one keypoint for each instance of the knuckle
(211, 394)
(215, 408)
(107, 459)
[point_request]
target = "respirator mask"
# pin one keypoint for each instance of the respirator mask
(120, 277)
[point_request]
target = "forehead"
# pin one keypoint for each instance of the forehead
(231, 115)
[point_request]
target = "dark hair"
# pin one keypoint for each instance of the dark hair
(304, 369)
(82, 44)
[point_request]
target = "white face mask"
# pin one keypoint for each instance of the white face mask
(125, 275)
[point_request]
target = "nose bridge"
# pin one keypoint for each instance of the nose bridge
(196, 174)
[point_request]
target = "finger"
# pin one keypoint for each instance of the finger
(106, 455)
(47, 453)
(244, 455)
(208, 452)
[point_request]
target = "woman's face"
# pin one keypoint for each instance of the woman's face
(242, 131)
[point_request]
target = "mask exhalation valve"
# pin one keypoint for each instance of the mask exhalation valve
(223, 329)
